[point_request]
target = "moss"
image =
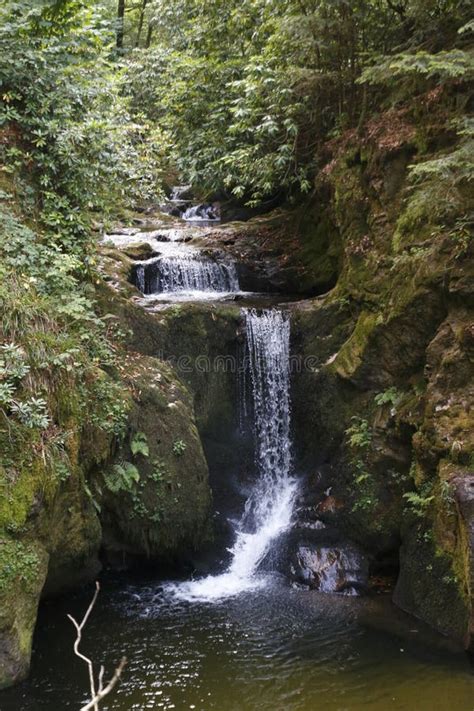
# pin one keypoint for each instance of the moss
(23, 570)
(350, 356)
(19, 562)
(17, 496)
(427, 582)
(314, 262)
(163, 510)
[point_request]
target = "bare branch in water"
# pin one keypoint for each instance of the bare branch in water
(96, 696)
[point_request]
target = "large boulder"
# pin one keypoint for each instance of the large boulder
(155, 493)
(331, 568)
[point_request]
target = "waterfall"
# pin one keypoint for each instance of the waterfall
(186, 274)
(205, 213)
(269, 507)
(140, 278)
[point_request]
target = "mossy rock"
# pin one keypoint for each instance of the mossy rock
(156, 495)
(428, 587)
(143, 250)
(23, 569)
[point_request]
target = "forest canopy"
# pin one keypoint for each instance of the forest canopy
(114, 100)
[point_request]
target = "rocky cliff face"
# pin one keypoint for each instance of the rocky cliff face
(384, 409)
(143, 494)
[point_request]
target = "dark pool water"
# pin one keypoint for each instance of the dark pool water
(275, 649)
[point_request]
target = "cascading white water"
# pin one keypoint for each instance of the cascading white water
(269, 507)
(186, 275)
(140, 276)
(201, 213)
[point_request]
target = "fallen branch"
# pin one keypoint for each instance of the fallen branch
(96, 696)
(107, 689)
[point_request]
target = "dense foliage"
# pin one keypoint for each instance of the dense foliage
(67, 128)
(249, 91)
(69, 149)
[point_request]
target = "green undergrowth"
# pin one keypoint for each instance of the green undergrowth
(56, 368)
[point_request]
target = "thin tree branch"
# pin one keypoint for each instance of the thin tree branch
(79, 627)
(102, 691)
(107, 689)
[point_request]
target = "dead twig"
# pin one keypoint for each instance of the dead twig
(96, 696)
(93, 704)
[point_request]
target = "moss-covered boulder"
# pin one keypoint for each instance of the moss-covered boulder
(49, 542)
(155, 495)
(23, 568)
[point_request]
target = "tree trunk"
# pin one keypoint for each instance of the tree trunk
(148, 35)
(140, 22)
(120, 17)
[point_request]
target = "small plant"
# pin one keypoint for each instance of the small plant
(179, 447)
(19, 562)
(447, 493)
(427, 536)
(159, 471)
(392, 396)
(122, 477)
(364, 503)
(418, 502)
(62, 471)
(12, 362)
(32, 413)
(139, 444)
(450, 579)
(359, 433)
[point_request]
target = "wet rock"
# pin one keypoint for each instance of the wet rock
(157, 235)
(205, 211)
(140, 251)
(182, 192)
(331, 569)
(330, 505)
(125, 231)
(464, 492)
(22, 573)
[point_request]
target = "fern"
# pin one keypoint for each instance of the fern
(139, 444)
(359, 433)
(391, 396)
(122, 477)
(418, 503)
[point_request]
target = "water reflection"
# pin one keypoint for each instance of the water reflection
(273, 649)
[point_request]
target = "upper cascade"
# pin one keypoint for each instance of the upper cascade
(178, 274)
(205, 213)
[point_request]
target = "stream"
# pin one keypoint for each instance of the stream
(243, 639)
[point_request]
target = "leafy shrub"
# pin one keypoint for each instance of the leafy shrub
(63, 94)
